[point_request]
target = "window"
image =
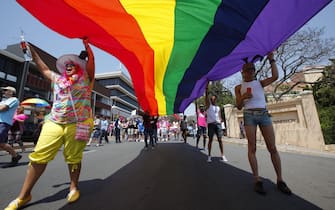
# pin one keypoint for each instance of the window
(11, 78)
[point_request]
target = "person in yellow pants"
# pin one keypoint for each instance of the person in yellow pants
(72, 90)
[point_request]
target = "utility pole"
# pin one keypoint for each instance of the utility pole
(27, 59)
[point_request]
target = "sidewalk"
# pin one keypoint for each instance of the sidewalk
(284, 148)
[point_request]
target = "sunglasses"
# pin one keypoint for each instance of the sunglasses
(248, 69)
(70, 65)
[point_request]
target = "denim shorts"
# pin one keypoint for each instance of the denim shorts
(4, 128)
(201, 131)
(214, 128)
(257, 117)
(96, 133)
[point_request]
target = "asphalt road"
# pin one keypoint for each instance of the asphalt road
(175, 176)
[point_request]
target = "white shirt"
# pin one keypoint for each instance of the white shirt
(258, 97)
(213, 114)
(104, 125)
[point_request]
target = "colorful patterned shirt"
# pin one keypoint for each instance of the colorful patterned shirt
(62, 109)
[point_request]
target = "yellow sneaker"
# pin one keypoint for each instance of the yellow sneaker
(18, 203)
(73, 196)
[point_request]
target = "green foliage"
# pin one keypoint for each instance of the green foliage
(283, 88)
(327, 118)
(224, 95)
(324, 94)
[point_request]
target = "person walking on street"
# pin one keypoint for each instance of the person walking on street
(183, 128)
(140, 130)
(124, 129)
(96, 133)
(8, 107)
(111, 128)
(16, 130)
(250, 96)
(154, 122)
(148, 130)
(104, 124)
(214, 125)
(202, 126)
(71, 107)
(117, 130)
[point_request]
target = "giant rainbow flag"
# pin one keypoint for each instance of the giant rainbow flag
(172, 48)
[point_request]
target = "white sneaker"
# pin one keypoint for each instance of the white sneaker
(209, 159)
(224, 159)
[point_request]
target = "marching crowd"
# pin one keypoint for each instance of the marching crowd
(140, 129)
(70, 121)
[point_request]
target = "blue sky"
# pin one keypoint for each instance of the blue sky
(13, 19)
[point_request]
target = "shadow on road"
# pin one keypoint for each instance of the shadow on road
(9, 165)
(176, 176)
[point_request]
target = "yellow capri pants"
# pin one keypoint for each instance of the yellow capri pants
(51, 139)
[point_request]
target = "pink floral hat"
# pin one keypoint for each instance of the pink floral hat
(70, 58)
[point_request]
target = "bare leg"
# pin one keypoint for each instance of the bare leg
(197, 142)
(33, 174)
(269, 137)
(210, 140)
(251, 136)
(20, 142)
(74, 172)
(90, 141)
(204, 141)
(220, 145)
(8, 148)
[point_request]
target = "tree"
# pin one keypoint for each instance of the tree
(224, 96)
(324, 89)
(324, 94)
(305, 48)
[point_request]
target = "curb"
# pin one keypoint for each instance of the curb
(284, 148)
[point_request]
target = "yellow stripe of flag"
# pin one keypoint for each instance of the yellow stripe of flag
(159, 34)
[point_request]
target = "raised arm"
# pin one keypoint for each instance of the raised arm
(90, 66)
(42, 67)
(274, 71)
(206, 97)
(239, 98)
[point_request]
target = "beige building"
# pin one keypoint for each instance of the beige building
(296, 122)
(295, 117)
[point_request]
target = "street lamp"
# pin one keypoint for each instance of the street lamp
(27, 59)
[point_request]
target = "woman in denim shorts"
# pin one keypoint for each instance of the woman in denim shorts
(250, 97)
